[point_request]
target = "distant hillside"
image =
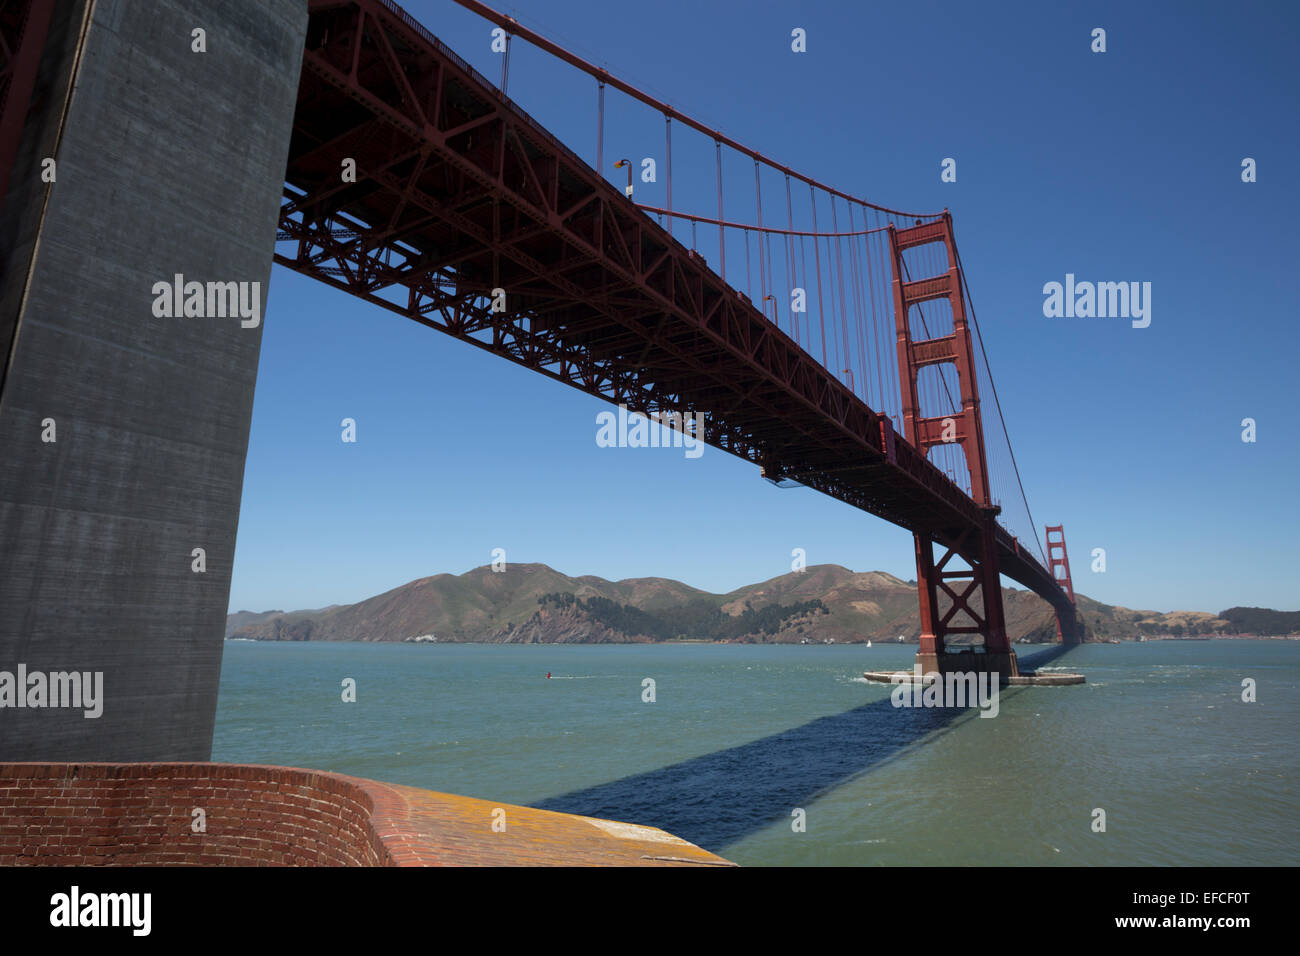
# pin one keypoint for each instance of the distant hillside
(1113, 621)
(246, 618)
(533, 603)
(480, 605)
(1262, 620)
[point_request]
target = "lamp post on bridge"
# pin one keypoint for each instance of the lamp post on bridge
(628, 163)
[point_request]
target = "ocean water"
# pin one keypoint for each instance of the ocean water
(740, 738)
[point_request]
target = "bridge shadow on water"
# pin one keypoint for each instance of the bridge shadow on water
(1043, 657)
(719, 798)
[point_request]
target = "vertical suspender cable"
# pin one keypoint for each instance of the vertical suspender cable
(803, 264)
(861, 300)
(722, 232)
(600, 127)
(886, 396)
(749, 271)
(789, 257)
(771, 271)
(832, 270)
(855, 271)
(668, 150)
(762, 273)
(839, 270)
(817, 261)
(505, 65)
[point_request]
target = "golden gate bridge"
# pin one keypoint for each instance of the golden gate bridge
(830, 340)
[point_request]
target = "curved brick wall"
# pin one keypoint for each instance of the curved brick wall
(99, 814)
(140, 814)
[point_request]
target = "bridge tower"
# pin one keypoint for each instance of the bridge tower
(131, 157)
(1067, 621)
(977, 607)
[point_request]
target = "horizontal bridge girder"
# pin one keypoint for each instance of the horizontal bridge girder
(920, 235)
(934, 351)
(938, 431)
(923, 290)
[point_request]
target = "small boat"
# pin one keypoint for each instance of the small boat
(868, 643)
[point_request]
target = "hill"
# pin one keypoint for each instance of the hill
(1262, 620)
(534, 603)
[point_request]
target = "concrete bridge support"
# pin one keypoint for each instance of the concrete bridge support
(123, 424)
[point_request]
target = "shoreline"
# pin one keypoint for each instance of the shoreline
(872, 644)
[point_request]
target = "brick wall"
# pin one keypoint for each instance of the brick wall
(102, 814)
(87, 814)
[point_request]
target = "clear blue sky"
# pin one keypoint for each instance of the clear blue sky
(1120, 166)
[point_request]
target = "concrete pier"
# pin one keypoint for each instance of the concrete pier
(1024, 679)
(1004, 662)
(124, 428)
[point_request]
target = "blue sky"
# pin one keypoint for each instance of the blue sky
(1122, 166)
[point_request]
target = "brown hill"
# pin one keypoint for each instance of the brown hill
(824, 603)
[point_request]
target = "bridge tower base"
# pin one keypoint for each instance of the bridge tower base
(968, 610)
(124, 421)
(975, 608)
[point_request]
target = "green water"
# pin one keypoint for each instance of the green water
(739, 737)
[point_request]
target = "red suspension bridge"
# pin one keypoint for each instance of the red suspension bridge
(829, 340)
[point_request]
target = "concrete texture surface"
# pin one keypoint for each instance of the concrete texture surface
(168, 161)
